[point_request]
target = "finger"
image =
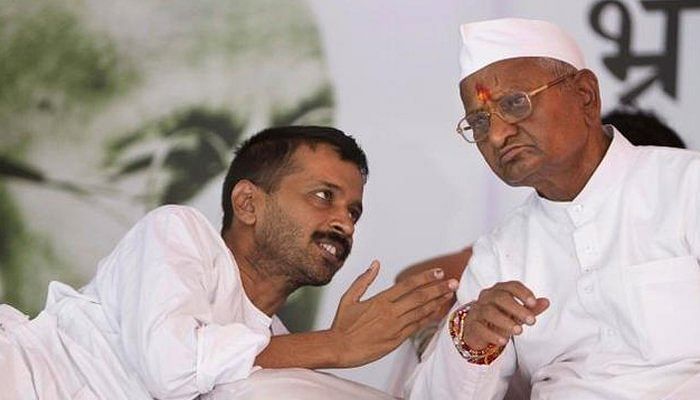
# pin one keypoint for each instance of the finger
(542, 304)
(489, 335)
(504, 333)
(359, 287)
(422, 314)
(413, 282)
(492, 315)
(444, 305)
(425, 295)
(443, 309)
(483, 333)
(519, 291)
(509, 305)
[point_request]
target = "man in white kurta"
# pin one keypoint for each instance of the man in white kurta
(179, 310)
(159, 316)
(618, 263)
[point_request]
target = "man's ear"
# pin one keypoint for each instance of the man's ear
(245, 199)
(586, 84)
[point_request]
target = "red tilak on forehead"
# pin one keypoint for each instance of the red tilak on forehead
(483, 93)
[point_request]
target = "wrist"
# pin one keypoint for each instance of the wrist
(335, 341)
(484, 354)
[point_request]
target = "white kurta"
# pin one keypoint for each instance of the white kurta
(166, 314)
(620, 266)
(294, 384)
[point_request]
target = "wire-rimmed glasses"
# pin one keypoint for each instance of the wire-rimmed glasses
(512, 107)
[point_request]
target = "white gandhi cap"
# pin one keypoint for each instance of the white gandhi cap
(487, 42)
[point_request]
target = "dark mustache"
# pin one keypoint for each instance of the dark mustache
(342, 242)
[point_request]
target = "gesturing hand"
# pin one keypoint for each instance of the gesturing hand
(499, 313)
(369, 329)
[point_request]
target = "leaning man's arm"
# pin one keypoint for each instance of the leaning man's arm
(364, 330)
(320, 349)
(167, 334)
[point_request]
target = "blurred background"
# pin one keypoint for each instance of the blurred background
(111, 108)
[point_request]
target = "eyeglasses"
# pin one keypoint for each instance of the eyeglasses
(511, 108)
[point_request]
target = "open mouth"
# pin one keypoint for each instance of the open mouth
(329, 248)
(333, 249)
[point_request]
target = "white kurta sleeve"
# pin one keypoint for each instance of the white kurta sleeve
(691, 188)
(443, 373)
(160, 288)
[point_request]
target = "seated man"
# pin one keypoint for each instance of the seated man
(641, 128)
(177, 309)
(590, 287)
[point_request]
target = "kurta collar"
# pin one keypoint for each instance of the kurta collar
(608, 175)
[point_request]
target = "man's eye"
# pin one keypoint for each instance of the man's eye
(478, 119)
(514, 101)
(355, 215)
(326, 195)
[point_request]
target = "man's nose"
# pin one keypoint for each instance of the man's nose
(343, 222)
(500, 130)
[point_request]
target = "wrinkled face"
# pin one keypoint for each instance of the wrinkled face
(308, 224)
(545, 144)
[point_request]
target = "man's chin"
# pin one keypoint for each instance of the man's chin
(519, 170)
(323, 274)
(318, 280)
(517, 175)
(330, 268)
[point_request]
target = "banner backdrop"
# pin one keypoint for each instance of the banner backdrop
(108, 109)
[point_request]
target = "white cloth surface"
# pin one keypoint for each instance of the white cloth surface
(619, 264)
(165, 314)
(405, 363)
(294, 384)
(486, 42)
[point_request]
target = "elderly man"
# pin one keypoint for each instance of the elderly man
(179, 310)
(591, 287)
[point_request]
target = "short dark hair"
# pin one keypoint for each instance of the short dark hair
(643, 128)
(266, 158)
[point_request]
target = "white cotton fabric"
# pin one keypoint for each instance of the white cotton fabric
(165, 317)
(294, 384)
(486, 42)
(619, 264)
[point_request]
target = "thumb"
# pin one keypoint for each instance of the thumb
(542, 304)
(362, 282)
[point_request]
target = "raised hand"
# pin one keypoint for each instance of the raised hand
(499, 313)
(369, 329)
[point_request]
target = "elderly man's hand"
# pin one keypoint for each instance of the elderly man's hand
(499, 313)
(368, 329)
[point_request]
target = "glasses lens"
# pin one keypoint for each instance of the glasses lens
(480, 122)
(515, 107)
